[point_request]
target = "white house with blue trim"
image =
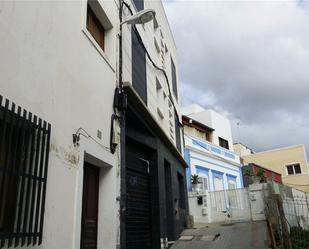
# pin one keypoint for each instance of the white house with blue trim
(209, 151)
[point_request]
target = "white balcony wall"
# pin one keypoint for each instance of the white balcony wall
(212, 119)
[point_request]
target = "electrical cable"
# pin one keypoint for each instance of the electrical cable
(88, 136)
(114, 116)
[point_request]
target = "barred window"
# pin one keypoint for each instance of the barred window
(24, 150)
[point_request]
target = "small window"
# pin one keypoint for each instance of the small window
(223, 143)
(293, 169)
(174, 78)
(290, 169)
(95, 27)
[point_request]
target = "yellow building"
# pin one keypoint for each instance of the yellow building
(291, 162)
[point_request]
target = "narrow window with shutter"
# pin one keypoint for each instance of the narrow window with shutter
(95, 27)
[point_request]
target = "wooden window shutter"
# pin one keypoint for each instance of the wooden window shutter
(95, 27)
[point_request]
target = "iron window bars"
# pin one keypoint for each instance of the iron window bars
(24, 151)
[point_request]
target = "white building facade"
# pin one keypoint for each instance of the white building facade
(209, 152)
(60, 62)
(218, 168)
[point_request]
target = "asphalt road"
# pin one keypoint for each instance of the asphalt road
(245, 235)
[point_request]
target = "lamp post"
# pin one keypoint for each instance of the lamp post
(140, 17)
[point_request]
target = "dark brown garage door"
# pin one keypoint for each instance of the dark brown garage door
(138, 215)
(90, 207)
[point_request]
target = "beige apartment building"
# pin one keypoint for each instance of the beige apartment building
(291, 162)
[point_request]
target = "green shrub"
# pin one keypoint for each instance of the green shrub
(299, 238)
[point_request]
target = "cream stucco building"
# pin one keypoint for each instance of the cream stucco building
(291, 162)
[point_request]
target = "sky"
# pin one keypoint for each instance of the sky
(249, 60)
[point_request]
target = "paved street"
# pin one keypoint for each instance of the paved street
(244, 235)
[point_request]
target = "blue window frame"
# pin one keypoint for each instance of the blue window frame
(218, 174)
(204, 171)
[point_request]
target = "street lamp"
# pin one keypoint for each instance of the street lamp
(140, 17)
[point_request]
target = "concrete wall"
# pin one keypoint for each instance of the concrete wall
(217, 205)
(199, 114)
(199, 211)
(242, 150)
(277, 160)
(222, 128)
(51, 66)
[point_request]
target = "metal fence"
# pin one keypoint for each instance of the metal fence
(24, 150)
(232, 204)
(288, 220)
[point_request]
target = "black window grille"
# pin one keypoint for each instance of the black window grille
(24, 151)
(139, 79)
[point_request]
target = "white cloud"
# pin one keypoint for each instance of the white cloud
(250, 59)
